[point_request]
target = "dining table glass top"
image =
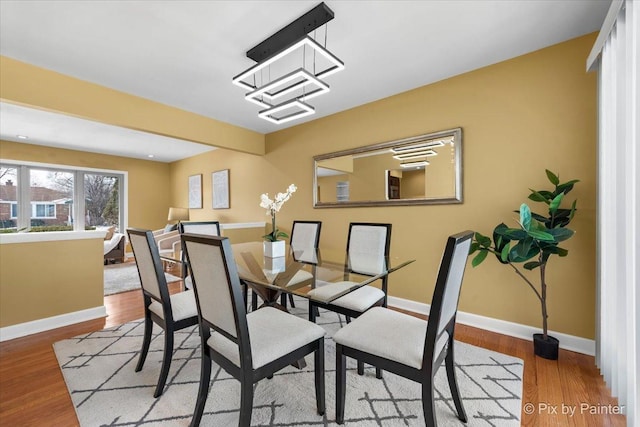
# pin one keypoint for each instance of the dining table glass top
(302, 270)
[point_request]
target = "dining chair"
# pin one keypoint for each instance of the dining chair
(374, 337)
(170, 312)
(250, 346)
(368, 247)
(305, 238)
(208, 228)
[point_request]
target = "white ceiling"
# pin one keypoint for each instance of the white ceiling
(184, 53)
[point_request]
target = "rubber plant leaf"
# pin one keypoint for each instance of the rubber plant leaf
(552, 177)
(560, 234)
(479, 258)
(525, 216)
(555, 203)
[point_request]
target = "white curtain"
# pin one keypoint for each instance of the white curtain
(615, 55)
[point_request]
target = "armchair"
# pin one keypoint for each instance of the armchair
(165, 242)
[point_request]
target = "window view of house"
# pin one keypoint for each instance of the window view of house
(54, 202)
(8, 198)
(51, 197)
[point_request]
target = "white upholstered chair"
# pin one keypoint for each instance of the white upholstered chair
(170, 312)
(368, 247)
(250, 346)
(207, 228)
(305, 239)
(408, 346)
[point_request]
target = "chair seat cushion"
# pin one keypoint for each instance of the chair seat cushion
(183, 305)
(299, 277)
(273, 334)
(388, 334)
(359, 300)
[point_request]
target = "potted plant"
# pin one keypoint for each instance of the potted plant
(533, 243)
(273, 246)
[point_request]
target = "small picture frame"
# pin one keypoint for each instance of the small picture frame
(195, 191)
(220, 189)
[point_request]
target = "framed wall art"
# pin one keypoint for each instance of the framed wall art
(195, 191)
(220, 189)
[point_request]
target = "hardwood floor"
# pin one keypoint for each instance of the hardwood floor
(33, 392)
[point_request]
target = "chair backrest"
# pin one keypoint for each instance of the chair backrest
(305, 239)
(368, 247)
(152, 278)
(444, 304)
(209, 228)
(217, 288)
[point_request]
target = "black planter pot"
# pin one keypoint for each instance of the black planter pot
(547, 349)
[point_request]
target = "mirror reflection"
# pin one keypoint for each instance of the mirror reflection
(426, 169)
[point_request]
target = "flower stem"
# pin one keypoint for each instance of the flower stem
(273, 226)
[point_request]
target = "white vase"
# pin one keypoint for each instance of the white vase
(274, 249)
(275, 265)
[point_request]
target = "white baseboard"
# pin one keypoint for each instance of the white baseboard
(41, 325)
(567, 342)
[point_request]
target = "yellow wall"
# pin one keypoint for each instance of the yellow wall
(26, 84)
(412, 184)
(148, 182)
(45, 279)
(69, 274)
(518, 117)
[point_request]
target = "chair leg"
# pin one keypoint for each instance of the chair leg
(341, 383)
(254, 301)
(283, 300)
(428, 404)
(146, 341)
(360, 368)
(453, 384)
(245, 294)
(293, 304)
(312, 312)
(319, 373)
(203, 390)
(379, 373)
(166, 361)
(246, 403)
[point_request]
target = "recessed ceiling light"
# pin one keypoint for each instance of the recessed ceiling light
(151, 156)
(22, 137)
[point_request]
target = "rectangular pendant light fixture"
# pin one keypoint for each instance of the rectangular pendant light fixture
(337, 64)
(306, 78)
(304, 110)
(299, 85)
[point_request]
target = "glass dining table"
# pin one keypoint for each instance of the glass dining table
(301, 270)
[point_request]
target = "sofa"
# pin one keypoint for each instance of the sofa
(114, 247)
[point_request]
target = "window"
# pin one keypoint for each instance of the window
(43, 210)
(8, 198)
(50, 198)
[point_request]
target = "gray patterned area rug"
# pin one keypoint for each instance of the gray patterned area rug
(99, 371)
(124, 277)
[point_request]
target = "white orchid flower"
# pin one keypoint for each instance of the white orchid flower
(274, 206)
